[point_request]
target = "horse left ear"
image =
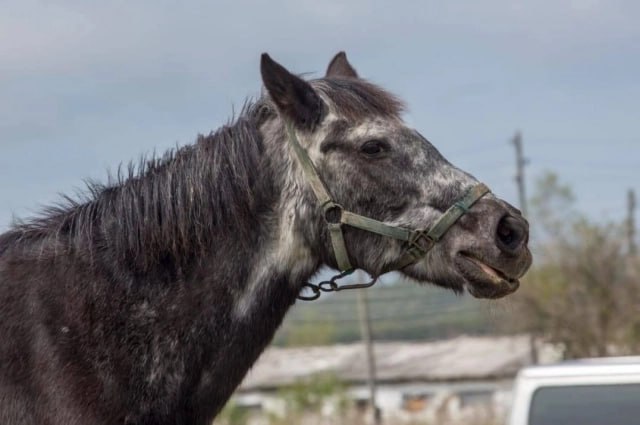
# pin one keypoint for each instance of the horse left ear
(340, 67)
(294, 97)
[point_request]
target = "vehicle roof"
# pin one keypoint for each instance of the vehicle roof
(590, 366)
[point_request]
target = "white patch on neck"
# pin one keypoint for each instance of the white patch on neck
(286, 253)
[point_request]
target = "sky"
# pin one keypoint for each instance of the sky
(86, 86)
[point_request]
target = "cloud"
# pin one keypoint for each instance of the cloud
(69, 36)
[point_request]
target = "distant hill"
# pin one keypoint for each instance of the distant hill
(399, 310)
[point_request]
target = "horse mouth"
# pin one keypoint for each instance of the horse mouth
(484, 280)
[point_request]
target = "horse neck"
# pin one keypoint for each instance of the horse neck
(285, 253)
(255, 243)
(227, 203)
(224, 208)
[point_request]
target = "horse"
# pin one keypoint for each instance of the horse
(148, 299)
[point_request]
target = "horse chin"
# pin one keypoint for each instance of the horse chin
(466, 271)
(483, 280)
(421, 274)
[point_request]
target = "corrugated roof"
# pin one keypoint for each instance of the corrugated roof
(462, 358)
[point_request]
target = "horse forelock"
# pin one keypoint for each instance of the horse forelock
(358, 99)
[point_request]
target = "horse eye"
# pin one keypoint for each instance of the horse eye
(374, 147)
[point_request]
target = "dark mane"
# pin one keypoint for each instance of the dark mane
(165, 207)
(130, 215)
(356, 99)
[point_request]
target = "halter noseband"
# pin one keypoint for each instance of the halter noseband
(418, 242)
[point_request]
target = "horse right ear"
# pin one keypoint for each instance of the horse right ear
(295, 98)
(340, 67)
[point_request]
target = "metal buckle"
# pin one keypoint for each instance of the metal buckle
(415, 249)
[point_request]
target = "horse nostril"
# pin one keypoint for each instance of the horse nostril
(511, 234)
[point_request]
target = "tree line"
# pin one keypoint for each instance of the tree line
(583, 292)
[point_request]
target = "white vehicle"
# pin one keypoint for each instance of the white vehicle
(603, 391)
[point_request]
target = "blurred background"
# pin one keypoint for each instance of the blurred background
(539, 99)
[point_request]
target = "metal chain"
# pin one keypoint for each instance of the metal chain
(331, 285)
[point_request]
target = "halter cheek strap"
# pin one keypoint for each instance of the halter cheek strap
(418, 242)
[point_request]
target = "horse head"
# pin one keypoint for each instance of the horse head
(372, 165)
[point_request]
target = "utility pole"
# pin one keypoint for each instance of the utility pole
(520, 181)
(367, 339)
(520, 163)
(631, 226)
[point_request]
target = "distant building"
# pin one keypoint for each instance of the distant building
(430, 380)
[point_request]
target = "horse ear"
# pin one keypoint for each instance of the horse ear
(340, 67)
(294, 97)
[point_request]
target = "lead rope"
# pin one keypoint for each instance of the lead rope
(331, 285)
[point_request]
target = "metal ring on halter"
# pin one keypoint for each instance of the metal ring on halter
(332, 212)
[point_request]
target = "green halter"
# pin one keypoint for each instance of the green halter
(418, 242)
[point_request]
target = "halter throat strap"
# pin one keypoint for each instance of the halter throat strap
(418, 242)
